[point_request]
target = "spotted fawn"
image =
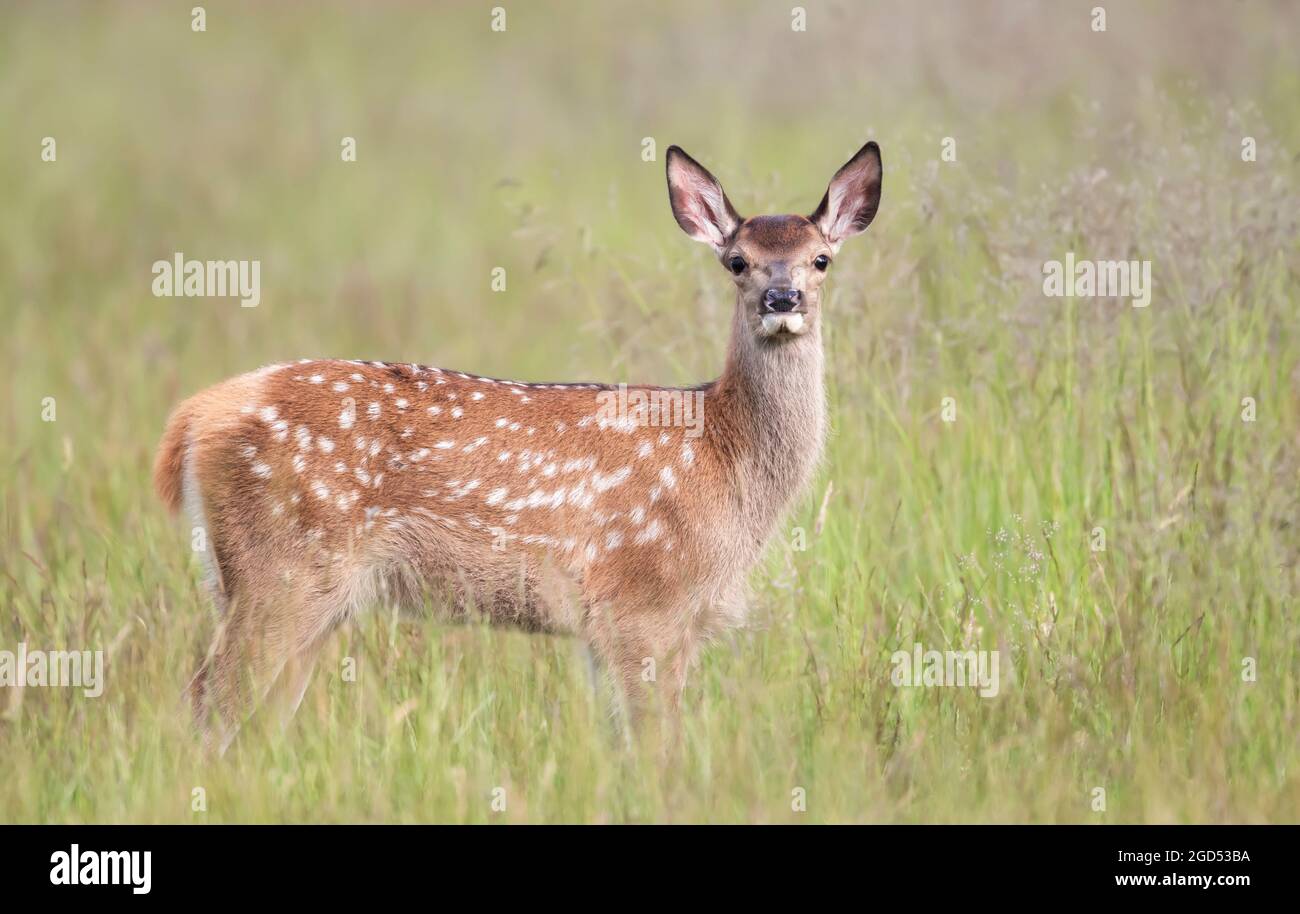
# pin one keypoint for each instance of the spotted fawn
(324, 486)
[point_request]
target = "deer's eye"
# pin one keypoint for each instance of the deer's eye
(736, 264)
(822, 262)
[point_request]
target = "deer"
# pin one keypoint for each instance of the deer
(322, 487)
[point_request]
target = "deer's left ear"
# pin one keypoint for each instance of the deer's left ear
(699, 204)
(852, 198)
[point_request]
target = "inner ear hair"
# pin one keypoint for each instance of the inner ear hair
(698, 201)
(852, 197)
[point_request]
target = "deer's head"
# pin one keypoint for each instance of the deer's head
(777, 262)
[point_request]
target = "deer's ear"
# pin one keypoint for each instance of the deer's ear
(852, 198)
(699, 203)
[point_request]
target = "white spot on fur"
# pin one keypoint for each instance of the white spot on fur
(602, 483)
(578, 464)
(651, 532)
(625, 424)
(462, 491)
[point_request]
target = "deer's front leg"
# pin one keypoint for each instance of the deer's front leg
(648, 655)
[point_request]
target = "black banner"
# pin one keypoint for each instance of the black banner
(333, 863)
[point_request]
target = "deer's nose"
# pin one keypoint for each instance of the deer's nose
(782, 299)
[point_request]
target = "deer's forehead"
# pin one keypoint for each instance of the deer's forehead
(778, 236)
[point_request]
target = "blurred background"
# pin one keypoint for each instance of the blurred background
(523, 149)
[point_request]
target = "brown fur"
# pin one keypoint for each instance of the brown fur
(324, 486)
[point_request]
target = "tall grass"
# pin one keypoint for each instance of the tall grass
(1122, 669)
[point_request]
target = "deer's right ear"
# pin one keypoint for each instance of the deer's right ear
(852, 199)
(699, 203)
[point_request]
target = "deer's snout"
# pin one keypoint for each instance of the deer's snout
(782, 300)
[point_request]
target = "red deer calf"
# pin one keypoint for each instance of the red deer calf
(324, 486)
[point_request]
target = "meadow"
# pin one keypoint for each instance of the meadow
(1104, 494)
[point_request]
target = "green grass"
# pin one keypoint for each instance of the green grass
(1122, 669)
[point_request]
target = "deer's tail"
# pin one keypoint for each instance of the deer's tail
(169, 465)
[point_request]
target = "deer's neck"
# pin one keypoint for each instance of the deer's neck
(772, 422)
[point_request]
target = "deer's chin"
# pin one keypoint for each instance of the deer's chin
(784, 324)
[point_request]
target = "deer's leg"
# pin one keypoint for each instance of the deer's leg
(266, 646)
(648, 655)
(286, 693)
(219, 691)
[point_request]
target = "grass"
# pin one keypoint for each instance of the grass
(1122, 668)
